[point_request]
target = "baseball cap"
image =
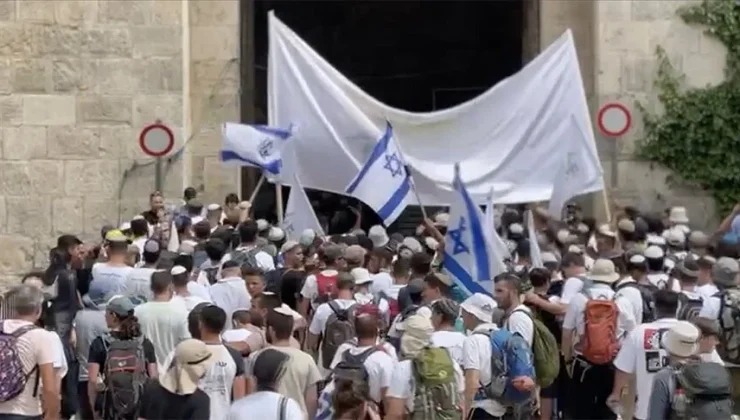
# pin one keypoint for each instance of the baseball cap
(66, 241)
(480, 306)
(192, 360)
(115, 235)
(289, 246)
(120, 305)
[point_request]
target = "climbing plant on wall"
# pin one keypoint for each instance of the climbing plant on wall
(698, 133)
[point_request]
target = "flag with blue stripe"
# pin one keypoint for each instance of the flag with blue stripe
(254, 145)
(383, 183)
(468, 255)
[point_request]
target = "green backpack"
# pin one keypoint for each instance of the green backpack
(545, 350)
(436, 396)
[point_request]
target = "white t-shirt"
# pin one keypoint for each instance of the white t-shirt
(519, 322)
(381, 283)
(264, 260)
(662, 280)
(707, 290)
(60, 360)
(452, 341)
(165, 324)
(203, 291)
(574, 317)
(264, 405)
(139, 282)
(318, 325)
(379, 366)
(477, 356)
(571, 287)
(230, 294)
(219, 380)
(403, 385)
(632, 295)
(310, 288)
(190, 301)
(109, 278)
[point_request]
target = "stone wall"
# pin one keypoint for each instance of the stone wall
(78, 81)
(628, 34)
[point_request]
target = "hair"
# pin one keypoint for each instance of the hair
(655, 264)
(117, 247)
(25, 299)
(215, 249)
(572, 259)
(269, 366)
(212, 318)
(349, 398)
(242, 316)
(441, 308)
(666, 302)
(161, 280)
(181, 280)
(400, 268)
(512, 279)
(345, 281)
(58, 260)
(231, 198)
(434, 282)
(641, 266)
(151, 257)
(189, 193)
(31, 275)
(193, 319)
(522, 248)
(366, 243)
(420, 263)
(202, 230)
(155, 194)
(253, 272)
(139, 227)
(128, 326)
(366, 327)
(248, 231)
(266, 301)
(165, 264)
(704, 264)
(707, 327)
(282, 325)
(620, 266)
(185, 261)
(383, 254)
(539, 277)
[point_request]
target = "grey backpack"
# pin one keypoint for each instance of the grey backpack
(703, 390)
(729, 322)
(340, 328)
(246, 258)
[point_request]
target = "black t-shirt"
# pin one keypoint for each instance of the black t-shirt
(159, 403)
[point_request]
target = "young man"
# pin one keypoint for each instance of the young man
(592, 380)
(180, 281)
(207, 273)
(89, 324)
(315, 292)
(230, 291)
(224, 381)
(248, 245)
(301, 376)
(444, 315)
(110, 277)
(704, 284)
(574, 270)
(138, 281)
(163, 320)
(518, 318)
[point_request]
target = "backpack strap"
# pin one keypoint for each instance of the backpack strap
(335, 308)
(283, 407)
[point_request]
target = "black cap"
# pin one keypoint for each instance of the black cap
(230, 264)
(66, 241)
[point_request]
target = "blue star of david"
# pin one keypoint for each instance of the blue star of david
(393, 164)
(458, 246)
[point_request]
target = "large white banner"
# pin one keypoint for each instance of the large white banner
(512, 138)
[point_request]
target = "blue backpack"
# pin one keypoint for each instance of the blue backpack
(511, 357)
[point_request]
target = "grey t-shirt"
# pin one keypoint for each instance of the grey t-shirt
(664, 386)
(89, 324)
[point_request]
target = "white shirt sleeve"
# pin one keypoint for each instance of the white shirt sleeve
(710, 308)
(400, 386)
(626, 359)
(520, 323)
(571, 288)
(571, 316)
(471, 359)
(319, 319)
(339, 354)
(310, 288)
(265, 261)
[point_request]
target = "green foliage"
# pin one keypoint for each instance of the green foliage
(698, 134)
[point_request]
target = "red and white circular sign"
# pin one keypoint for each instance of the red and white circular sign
(614, 119)
(156, 140)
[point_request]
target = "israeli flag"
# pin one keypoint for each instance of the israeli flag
(299, 214)
(254, 145)
(500, 250)
(383, 183)
(468, 252)
(535, 256)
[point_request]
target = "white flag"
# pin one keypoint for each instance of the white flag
(299, 214)
(535, 256)
(383, 183)
(468, 252)
(254, 145)
(173, 245)
(500, 250)
(576, 170)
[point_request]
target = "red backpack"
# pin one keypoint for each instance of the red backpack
(326, 286)
(600, 344)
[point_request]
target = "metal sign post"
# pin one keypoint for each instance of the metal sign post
(157, 140)
(614, 120)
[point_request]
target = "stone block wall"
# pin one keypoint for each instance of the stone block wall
(78, 81)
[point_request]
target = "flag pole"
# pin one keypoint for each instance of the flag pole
(416, 192)
(257, 188)
(279, 199)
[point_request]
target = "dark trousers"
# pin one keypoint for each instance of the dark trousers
(588, 389)
(18, 417)
(86, 412)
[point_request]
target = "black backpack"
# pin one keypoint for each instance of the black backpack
(647, 291)
(124, 377)
(352, 366)
(688, 309)
(246, 258)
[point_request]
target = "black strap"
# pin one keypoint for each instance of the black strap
(283, 407)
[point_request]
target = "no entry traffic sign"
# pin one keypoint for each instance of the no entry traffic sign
(614, 119)
(156, 139)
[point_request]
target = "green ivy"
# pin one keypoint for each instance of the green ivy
(698, 134)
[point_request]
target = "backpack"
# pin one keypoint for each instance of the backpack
(399, 319)
(326, 287)
(647, 292)
(599, 342)
(393, 307)
(124, 376)
(352, 366)
(511, 357)
(544, 346)
(340, 328)
(211, 274)
(246, 258)
(11, 366)
(436, 396)
(703, 390)
(688, 309)
(729, 323)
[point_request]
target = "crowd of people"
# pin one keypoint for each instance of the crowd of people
(636, 318)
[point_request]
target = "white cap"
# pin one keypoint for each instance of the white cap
(262, 224)
(412, 244)
(480, 306)
(213, 207)
(563, 236)
(137, 217)
(125, 226)
(178, 269)
(516, 228)
(275, 234)
(655, 240)
(441, 219)
(288, 246)
(653, 252)
(675, 236)
(682, 339)
(549, 257)
(678, 215)
(378, 236)
(604, 271)
(361, 276)
(431, 243)
(637, 259)
(606, 230)
(307, 237)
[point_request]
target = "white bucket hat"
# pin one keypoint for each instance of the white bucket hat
(192, 360)
(361, 275)
(678, 215)
(681, 340)
(603, 271)
(480, 306)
